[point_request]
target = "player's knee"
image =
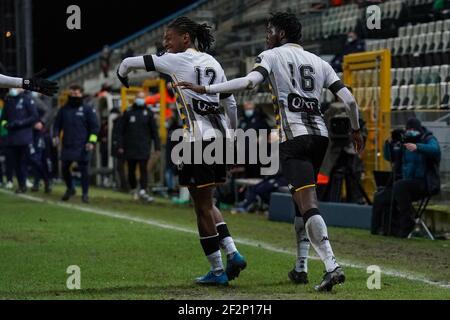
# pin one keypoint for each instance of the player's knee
(310, 213)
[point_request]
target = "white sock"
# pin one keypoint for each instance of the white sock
(227, 244)
(215, 259)
(318, 235)
(303, 245)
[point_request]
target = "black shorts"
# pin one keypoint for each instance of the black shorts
(202, 175)
(301, 159)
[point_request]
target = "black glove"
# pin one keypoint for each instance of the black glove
(41, 85)
(124, 80)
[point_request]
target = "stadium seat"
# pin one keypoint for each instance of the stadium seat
(416, 29)
(423, 28)
(394, 76)
(432, 96)
(407, 77)
(445, 52)
(409, 30)
(435, 74)
(444, 94)
(382, 44)
(370, 45)
(368, 97)
(395, 98)
(439, 26)
(369, 78)
(430, 49)
(444, 73)
(400, 76)
(409, 51)
(397, 52)
(359, 93)
(403, 95)
(405, 52)
(402, 31)
(446, 25)
(436, 56)
(411, 105)
(419, 54)
(431, 27)
(425, 75)
(421, 96)
(416, 76)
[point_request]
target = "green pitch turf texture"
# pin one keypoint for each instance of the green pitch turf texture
(124, 259)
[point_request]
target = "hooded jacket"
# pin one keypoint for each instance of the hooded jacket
(422, 164)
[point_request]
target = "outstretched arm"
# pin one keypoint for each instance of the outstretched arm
(36, 83)
(164, 64)
(127, 66)
(10, 82)
(248, 82)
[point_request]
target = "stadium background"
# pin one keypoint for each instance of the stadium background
(415, 80)
(418, 41)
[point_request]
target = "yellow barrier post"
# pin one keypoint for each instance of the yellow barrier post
(360, 70)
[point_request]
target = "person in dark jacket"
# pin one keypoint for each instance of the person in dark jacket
(418, 156)
(119, 160)
(3, 170)
(79, 124)
(41, 147)
(39, 157)
(252, 119)
(138, 131)
(353, 45)
(18, 117)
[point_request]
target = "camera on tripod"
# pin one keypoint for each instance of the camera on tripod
(340, 127)
(398, 136)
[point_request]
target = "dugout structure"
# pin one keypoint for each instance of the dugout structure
(369, 76)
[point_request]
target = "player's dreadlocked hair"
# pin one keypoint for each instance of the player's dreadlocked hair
(289, 23)
(199, 32)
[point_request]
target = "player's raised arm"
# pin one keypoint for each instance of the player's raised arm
(128, 65)
(10, 82)
(151, 62)
(248, 82)
(36, 83)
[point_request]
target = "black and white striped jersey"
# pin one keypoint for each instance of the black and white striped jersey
(297, 78)
(202, 115)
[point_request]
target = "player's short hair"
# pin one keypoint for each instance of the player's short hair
(289, 23)
(76, 87)
(199, 32)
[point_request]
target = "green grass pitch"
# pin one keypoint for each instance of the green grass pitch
(127, 258)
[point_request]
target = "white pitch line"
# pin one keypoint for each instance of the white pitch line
(248, 242)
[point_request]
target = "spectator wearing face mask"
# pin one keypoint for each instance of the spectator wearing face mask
(138, 131)
(352, 45)
(417, 156)
(18, 118)
(79, 124)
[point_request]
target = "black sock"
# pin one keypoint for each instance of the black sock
(223, 231)
(210, 244)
